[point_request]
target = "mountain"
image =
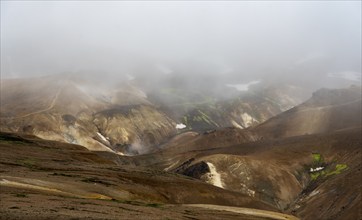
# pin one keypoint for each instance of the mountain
(326, 111)
(129, 117)
(302, 162)
(279, 172)
(312, 173)
(119, 119)
(342, 111)
(202, 110)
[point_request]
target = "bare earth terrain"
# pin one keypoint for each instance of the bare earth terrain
(51, 180)
(74, 152)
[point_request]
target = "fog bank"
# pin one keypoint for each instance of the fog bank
(235, 42)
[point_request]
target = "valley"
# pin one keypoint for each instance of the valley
(144, 158)
(180, 110)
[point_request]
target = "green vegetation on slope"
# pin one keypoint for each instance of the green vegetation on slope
(318, 161)
(199, 119)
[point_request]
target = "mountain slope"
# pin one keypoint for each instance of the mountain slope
(202, 110)
(341, 112)
(68, 110)
(68, 181)
(127, 117)
(328, 110)
(279, 171)
(276, 162)
(303, 161)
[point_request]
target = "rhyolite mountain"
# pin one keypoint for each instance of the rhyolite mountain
(126, 116)
(312, 171)
(268, 150)
(76, 112)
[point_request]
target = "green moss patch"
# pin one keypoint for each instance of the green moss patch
(317, 158)
(329, 170)
(338, 169)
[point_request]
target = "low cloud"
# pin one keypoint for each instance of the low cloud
(228, 42)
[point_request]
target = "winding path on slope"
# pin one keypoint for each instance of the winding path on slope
(52, 104)
(247, 211)
(71, 190)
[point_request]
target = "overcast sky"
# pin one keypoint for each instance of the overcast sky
(240, 40)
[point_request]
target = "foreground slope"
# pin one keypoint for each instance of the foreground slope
(65, 181)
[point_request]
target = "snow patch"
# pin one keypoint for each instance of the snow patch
(180, 126)
(316, 169)
(243, 86)
(102, 137)
(214, 176)
(236, 125)
(315, 192)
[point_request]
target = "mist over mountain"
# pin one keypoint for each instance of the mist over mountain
(232, 42)
(180, 110)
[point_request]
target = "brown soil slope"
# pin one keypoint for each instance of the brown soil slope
(326, 111)
(279, 172)
(69, 177)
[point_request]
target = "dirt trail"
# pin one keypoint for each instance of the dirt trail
(52, 104)
(247, 211)
(71, 190)
(50, 187)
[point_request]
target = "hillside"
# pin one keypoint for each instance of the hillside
(74, 182)
(68, 110)
(326, 111)
(304, 161)
(311, 172)
(126, 117)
